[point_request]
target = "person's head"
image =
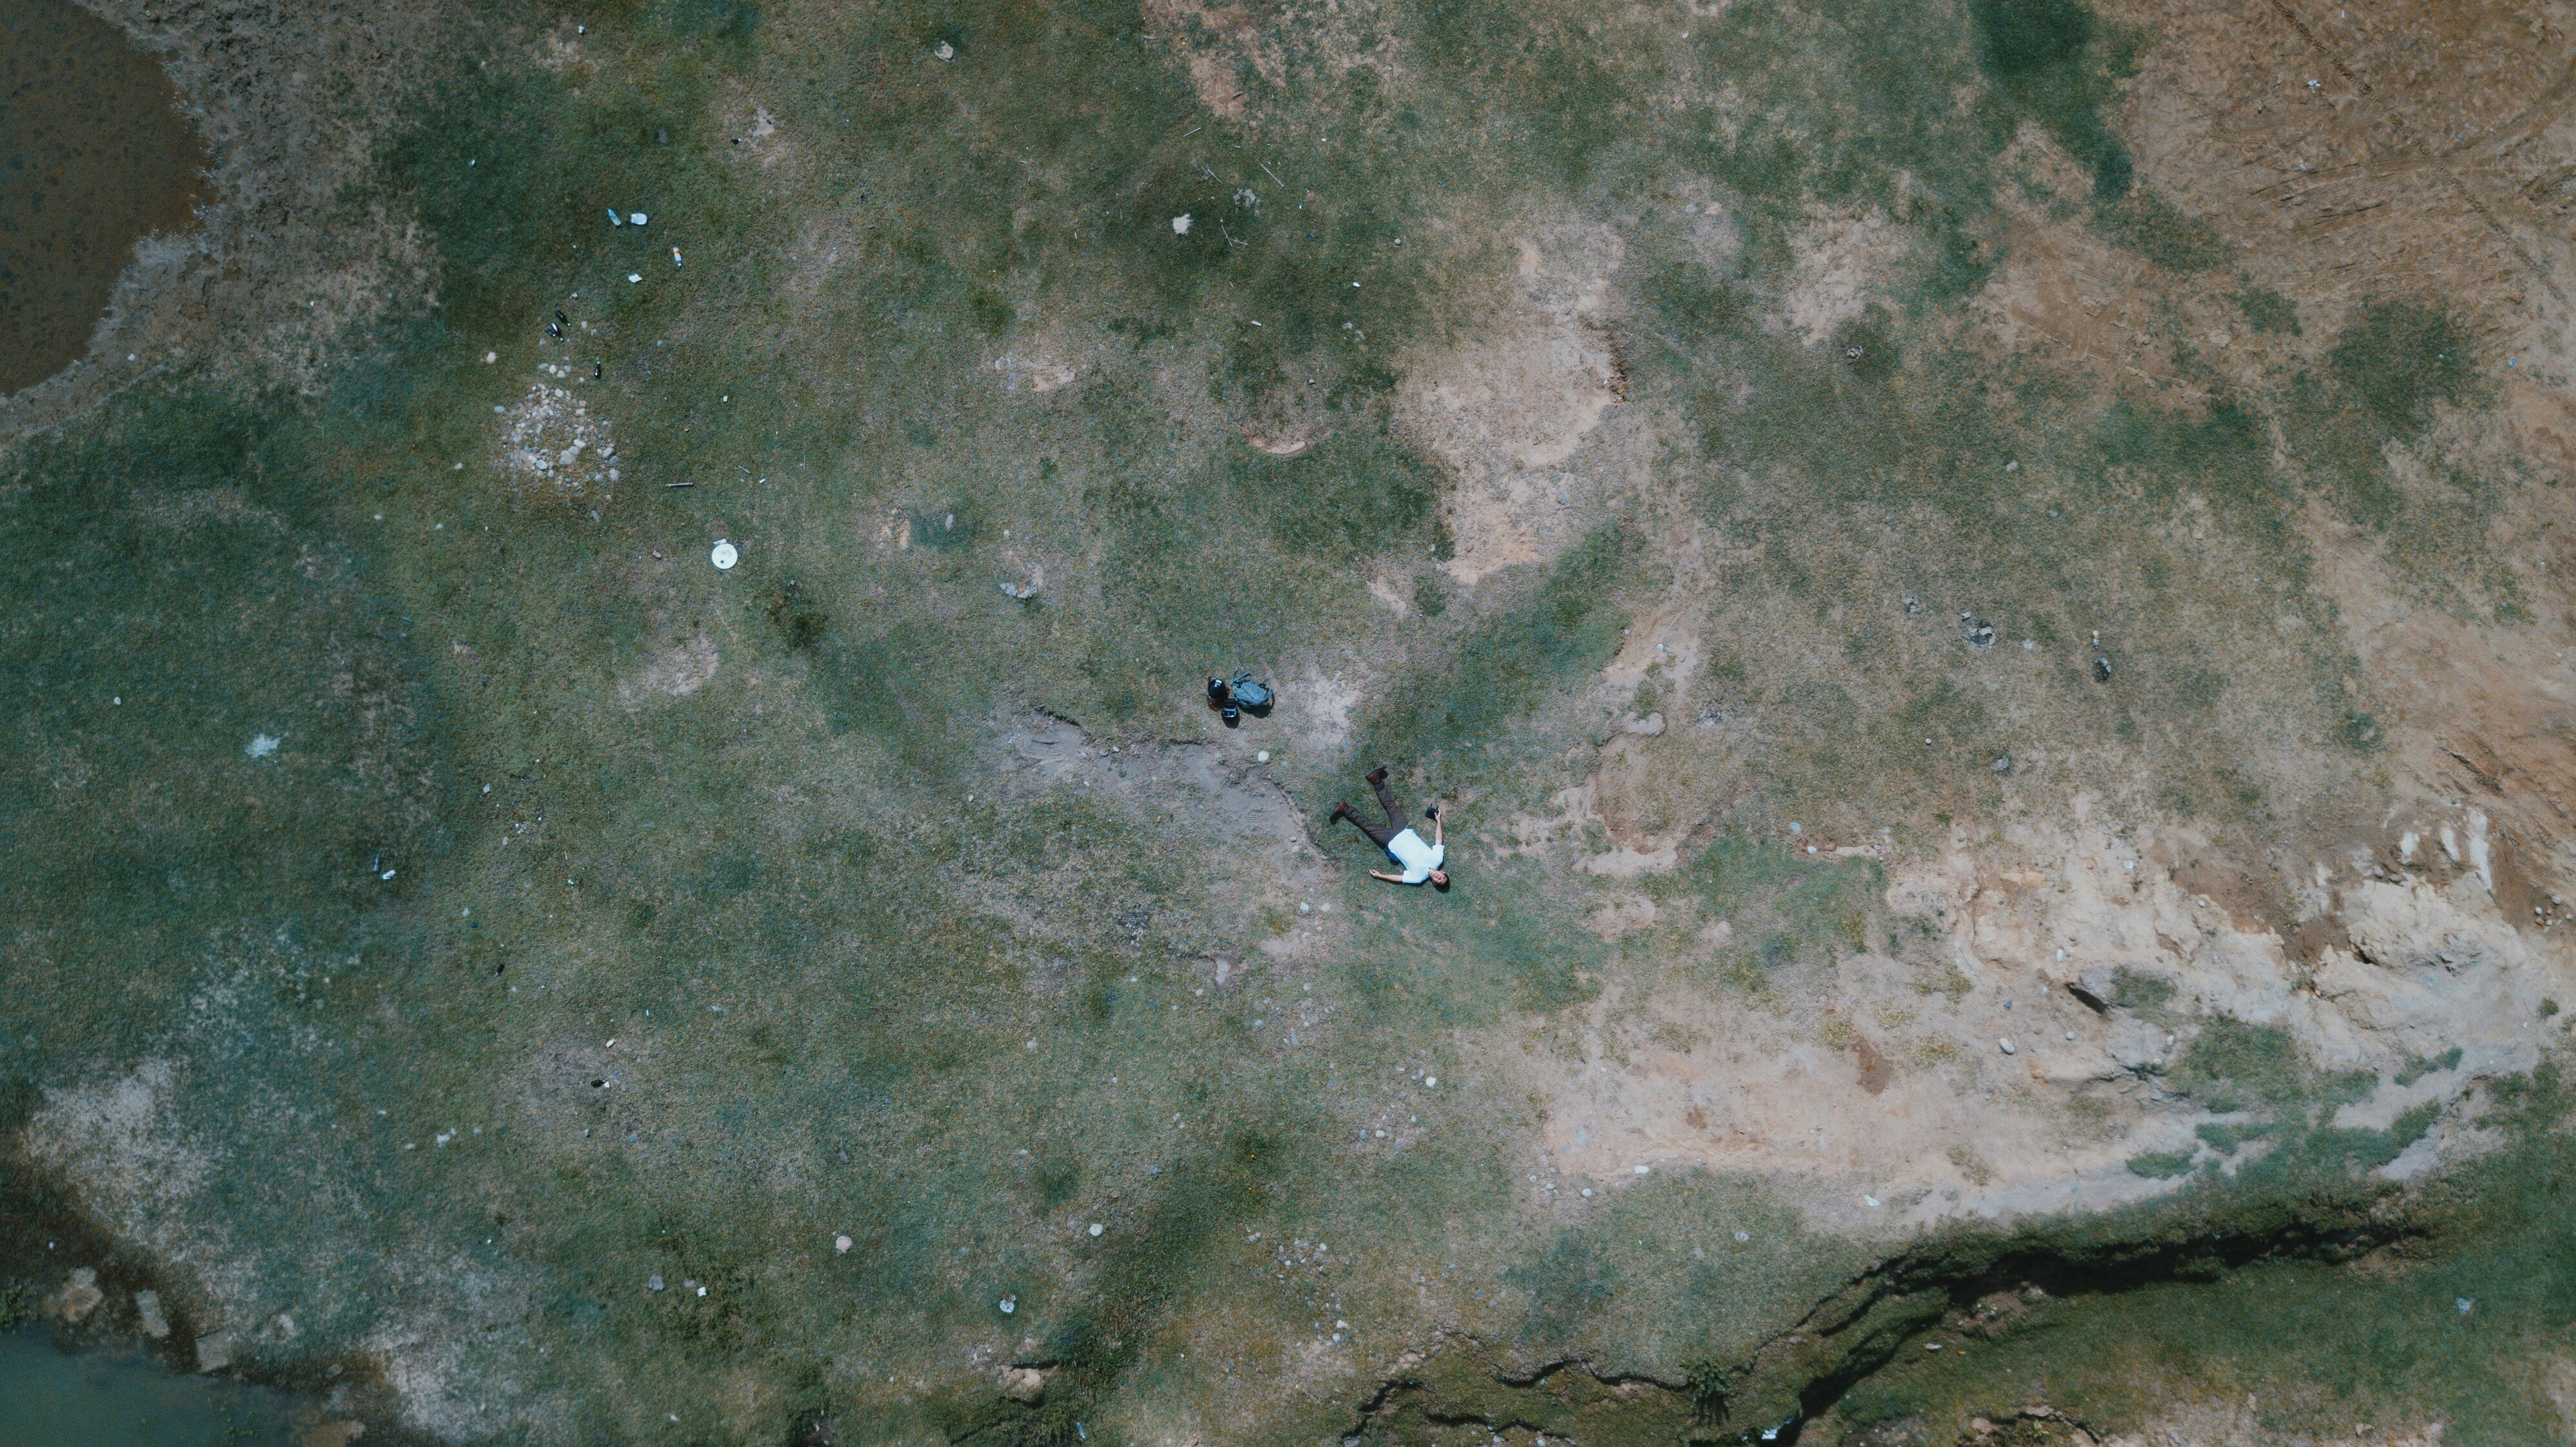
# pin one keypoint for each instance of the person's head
(1439, 879)
(1217, 689)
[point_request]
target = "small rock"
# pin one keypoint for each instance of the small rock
(944, 51)
(2102, 669)
(262, 746)
(1025, 1385)
(79, 1296)
(1262, 757)
(1181, 224)
(1979, 633)
(1095, 1228)
(2001, 765)
(1743, 1236)
(2464, 1304)
(214, 1351)
(2006, 1046)
(1643, 1170)
(2095, 990)
(840, 1245)
(149, 1316)
(653, 1283)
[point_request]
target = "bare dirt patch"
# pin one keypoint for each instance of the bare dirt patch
(1506, 408)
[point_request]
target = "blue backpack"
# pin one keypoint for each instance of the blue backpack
(1248, 694)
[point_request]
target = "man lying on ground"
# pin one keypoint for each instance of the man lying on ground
(1421, 861)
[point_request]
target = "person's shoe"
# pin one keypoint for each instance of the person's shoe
(1341, 811)
(1375, 776)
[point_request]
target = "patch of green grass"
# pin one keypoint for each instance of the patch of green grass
(2148, 224)
(2268, 311)
(2161, 1165)
(2399, 357)
(2055, 62)
(1502, 665)
(2231, 1063)
(2419, 1066)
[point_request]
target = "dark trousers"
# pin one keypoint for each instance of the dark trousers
(1396, 823)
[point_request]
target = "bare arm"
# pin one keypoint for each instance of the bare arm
(1389, 878)
(1436, 828)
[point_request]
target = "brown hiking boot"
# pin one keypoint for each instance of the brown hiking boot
(1375, 776)
(1341, 811)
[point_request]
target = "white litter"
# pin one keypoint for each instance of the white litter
(1181, 224)
(840, 1245)
(724, 555)
(262, 746)
(634, 276)
(1095, 1228)
(634, 218)
(1431, 1082)
(1643, 1170)
(1261, 757)
(675, 257)
(946, 51)
(1009, 1304)
(614, 219)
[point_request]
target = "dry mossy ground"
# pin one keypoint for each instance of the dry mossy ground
(1871, 515)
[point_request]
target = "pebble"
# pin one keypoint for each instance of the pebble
(653, 1283)
(1743, 1235)
(2007, 1047)
(946, 51)
(840, 1245)
(1095, 1228)
(1643, 1170)
(1262, 757)
(1181, 224)
(1587, 1193)
(1431, 1082)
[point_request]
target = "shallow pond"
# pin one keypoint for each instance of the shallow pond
(119, 1396)
(94, 156)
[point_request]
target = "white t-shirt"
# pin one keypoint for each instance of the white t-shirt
(1417, 857)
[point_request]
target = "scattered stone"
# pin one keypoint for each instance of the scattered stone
(1261, 757)
(2095, 990)
(2464, 1304)
(2006, 1046)
(1743, 1236)
(944, 51)
(1025, 1385)
(149, 1316)
(1095, 1228)
(1181, 224)
(79, 1296)
(653, 1282)
(2001, 765)
(1979, 633)
(840, 1245)
(215, 1351)
(262, 746)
